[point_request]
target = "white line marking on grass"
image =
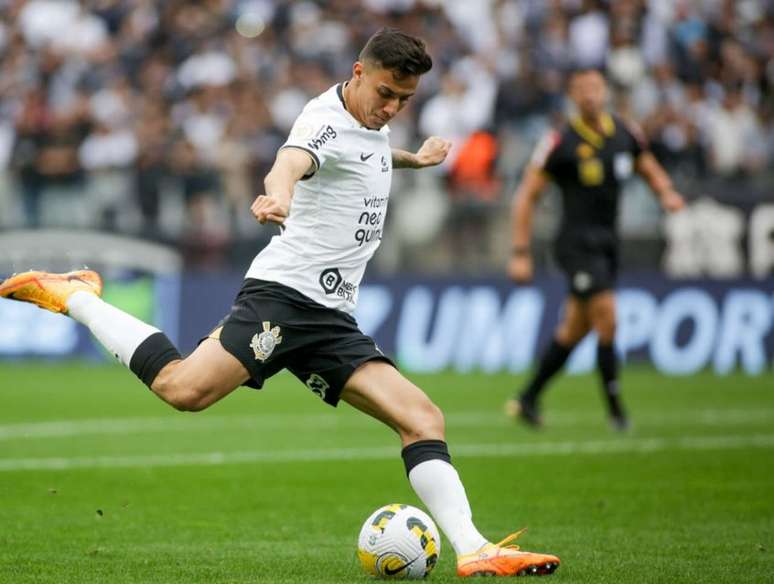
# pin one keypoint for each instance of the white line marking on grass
(501, 450)
(480, 419)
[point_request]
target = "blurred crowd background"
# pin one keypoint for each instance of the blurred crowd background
(159, 119)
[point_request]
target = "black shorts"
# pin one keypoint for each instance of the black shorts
(590, 267)
(272, 327)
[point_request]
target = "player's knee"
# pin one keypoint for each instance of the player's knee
(570, 335)
(190, 399)
(605, 329)
(189, 402)
(426, 422)
(181, 395)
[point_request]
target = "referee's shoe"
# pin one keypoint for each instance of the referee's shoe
(50, 291)
(524, 409)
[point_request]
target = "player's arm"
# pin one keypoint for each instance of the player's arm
(527, 194)
(290, 166)
(432, 152)
(654, 174)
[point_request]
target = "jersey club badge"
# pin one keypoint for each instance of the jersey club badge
(263, 344)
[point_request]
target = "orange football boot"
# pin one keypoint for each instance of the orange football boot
(502, 559)
(50, 291)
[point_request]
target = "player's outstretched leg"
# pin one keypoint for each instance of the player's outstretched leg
(378, 389)
(190, 384)
(139, 346)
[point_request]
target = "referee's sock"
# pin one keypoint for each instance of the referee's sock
(607, 363)
(139, 346)
(553, 359)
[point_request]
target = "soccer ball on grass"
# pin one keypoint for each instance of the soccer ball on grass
(399, 541)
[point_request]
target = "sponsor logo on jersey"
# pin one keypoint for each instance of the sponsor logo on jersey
(366, 155)
(318, 385)
(332, 282)
(324, 135)
(263, 344)
(330, 279)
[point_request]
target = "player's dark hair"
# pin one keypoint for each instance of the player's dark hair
(583, 70)
(402, 54)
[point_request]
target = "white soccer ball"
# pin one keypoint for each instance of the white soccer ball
(399, 541)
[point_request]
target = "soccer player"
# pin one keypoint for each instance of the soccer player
(328, 188)
(588, 160)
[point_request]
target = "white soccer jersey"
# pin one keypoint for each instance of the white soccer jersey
(337, 212)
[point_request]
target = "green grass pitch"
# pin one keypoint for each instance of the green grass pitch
(101, 482)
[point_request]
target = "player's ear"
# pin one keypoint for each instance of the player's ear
(357, 71)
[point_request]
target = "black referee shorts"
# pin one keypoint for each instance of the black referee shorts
(272, 327)
(590, 269)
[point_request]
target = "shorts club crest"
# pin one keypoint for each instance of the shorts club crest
(263, 344)
(321, 346)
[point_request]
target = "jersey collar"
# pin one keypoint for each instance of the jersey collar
(340, 93)
(590, 134)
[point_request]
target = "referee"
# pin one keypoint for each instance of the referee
(589, 159)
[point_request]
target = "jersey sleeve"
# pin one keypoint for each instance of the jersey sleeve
(639, 143)
(545, 157)
(315, 133)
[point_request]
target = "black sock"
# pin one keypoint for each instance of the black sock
(607, 363)
(151, 356)
(418, 452)
(553, 359)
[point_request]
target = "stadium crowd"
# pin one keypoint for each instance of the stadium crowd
(160, 119)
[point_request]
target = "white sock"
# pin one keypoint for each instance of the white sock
(119, 332)
(438, 485)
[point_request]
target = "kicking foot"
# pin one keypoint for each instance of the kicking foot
(50, 291)
(524, 409)
(506, 560)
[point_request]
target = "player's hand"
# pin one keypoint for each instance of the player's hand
(520, 268)
(266, 208)
(433, 152)
(672, 201)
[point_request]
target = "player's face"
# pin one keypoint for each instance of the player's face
(589, 92)
(380, 94)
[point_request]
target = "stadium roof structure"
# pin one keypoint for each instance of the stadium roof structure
(65, 250)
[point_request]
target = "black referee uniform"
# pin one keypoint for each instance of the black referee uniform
(589, 165)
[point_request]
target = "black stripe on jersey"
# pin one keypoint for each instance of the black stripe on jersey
(311, 153)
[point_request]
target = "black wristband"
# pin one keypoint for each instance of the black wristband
(520, 250)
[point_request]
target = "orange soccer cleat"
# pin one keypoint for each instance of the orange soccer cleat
(50, 291)
(506, 560)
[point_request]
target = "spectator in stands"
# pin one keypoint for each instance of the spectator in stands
(675, 57)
